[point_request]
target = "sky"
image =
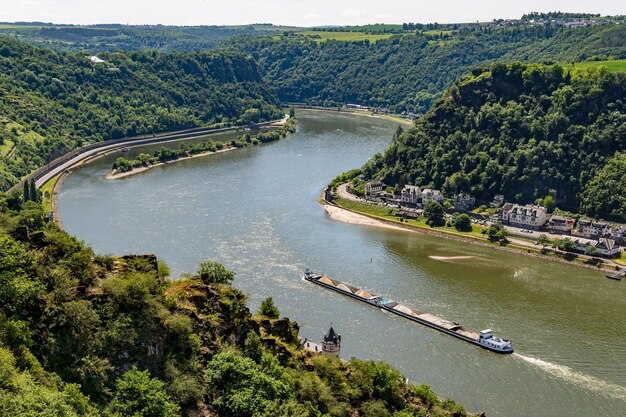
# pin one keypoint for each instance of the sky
(287, 12)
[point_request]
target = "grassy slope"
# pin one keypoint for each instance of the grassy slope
(348, 36)
(618, 65)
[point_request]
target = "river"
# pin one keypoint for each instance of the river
(255, 210)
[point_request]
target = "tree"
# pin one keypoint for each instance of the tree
(241, 388)
(292, 112)
(502, 234)
(26, 193)
(543, 240)
(567, 245)
(462, 222)
(34, 192)
(591, 250)
(251, 116)
(138, 395)
(497, 232)
(605, 195)
(549, 203)
(252, 346)
(211, 273)
(268, 309)
(434, 214)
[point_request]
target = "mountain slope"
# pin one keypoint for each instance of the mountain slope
(53, 102)
(88, 335)
(518, 130)
(409, 72)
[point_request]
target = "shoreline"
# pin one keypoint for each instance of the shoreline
(363, 219)
(114, 174)
(45, 173)
(361, 113)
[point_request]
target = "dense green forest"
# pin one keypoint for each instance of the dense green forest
(83, 334)
(114, 37)
(408, 72)
(53, 102)
(522, 130)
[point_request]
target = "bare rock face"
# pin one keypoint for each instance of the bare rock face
(282, 327)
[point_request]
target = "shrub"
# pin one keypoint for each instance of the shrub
(268, 309)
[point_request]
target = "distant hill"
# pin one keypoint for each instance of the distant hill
(402, 67)
(409, 72)
(99, 38)
(524, 131)
(53, 102)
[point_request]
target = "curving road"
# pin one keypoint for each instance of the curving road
(53, 169)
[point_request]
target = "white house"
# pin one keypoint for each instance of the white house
(528, 216)
(464, 201)
(429, 195)
(411, 194)
(374, 187)
(561, 224)
(607, 248)
(591, 228)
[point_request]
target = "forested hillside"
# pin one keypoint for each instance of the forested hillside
(114, 37)
(408, 72)
(52, 102)
(88, 335)
(524, 131)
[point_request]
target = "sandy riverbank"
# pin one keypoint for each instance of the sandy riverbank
(361, 113)
(114, 175)
(347, 216)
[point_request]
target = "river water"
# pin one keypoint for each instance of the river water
(255, 210)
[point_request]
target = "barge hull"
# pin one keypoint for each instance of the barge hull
(314, 278)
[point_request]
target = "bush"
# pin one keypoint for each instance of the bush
(268, 309)
(139, 395)
(462, 223)
(211, 273)
(434, 214)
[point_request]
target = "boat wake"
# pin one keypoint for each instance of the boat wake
(567, 374)
(451, 258)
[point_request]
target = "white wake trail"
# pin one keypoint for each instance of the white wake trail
(588, 382)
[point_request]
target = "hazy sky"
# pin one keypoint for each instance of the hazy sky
(287, 12)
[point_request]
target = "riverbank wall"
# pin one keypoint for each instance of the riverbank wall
(40, 174)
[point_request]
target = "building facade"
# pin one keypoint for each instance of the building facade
(606, 248)
(429, 195)
(592, 229)
(524, 216)
(561, 225)
(374, 187)
(464, 201)
(331, 342)
(498, 201)
(411, 194)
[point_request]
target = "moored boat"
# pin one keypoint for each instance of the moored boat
(484, 339)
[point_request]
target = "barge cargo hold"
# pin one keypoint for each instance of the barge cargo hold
(485, 339)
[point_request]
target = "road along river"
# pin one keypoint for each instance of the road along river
(256, 210)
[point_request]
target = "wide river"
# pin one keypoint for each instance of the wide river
(256, 210)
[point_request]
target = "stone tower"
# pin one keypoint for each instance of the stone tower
(331, 343)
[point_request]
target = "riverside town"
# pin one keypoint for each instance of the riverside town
(588, 236)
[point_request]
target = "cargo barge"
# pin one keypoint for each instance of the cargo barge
(485, 339)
